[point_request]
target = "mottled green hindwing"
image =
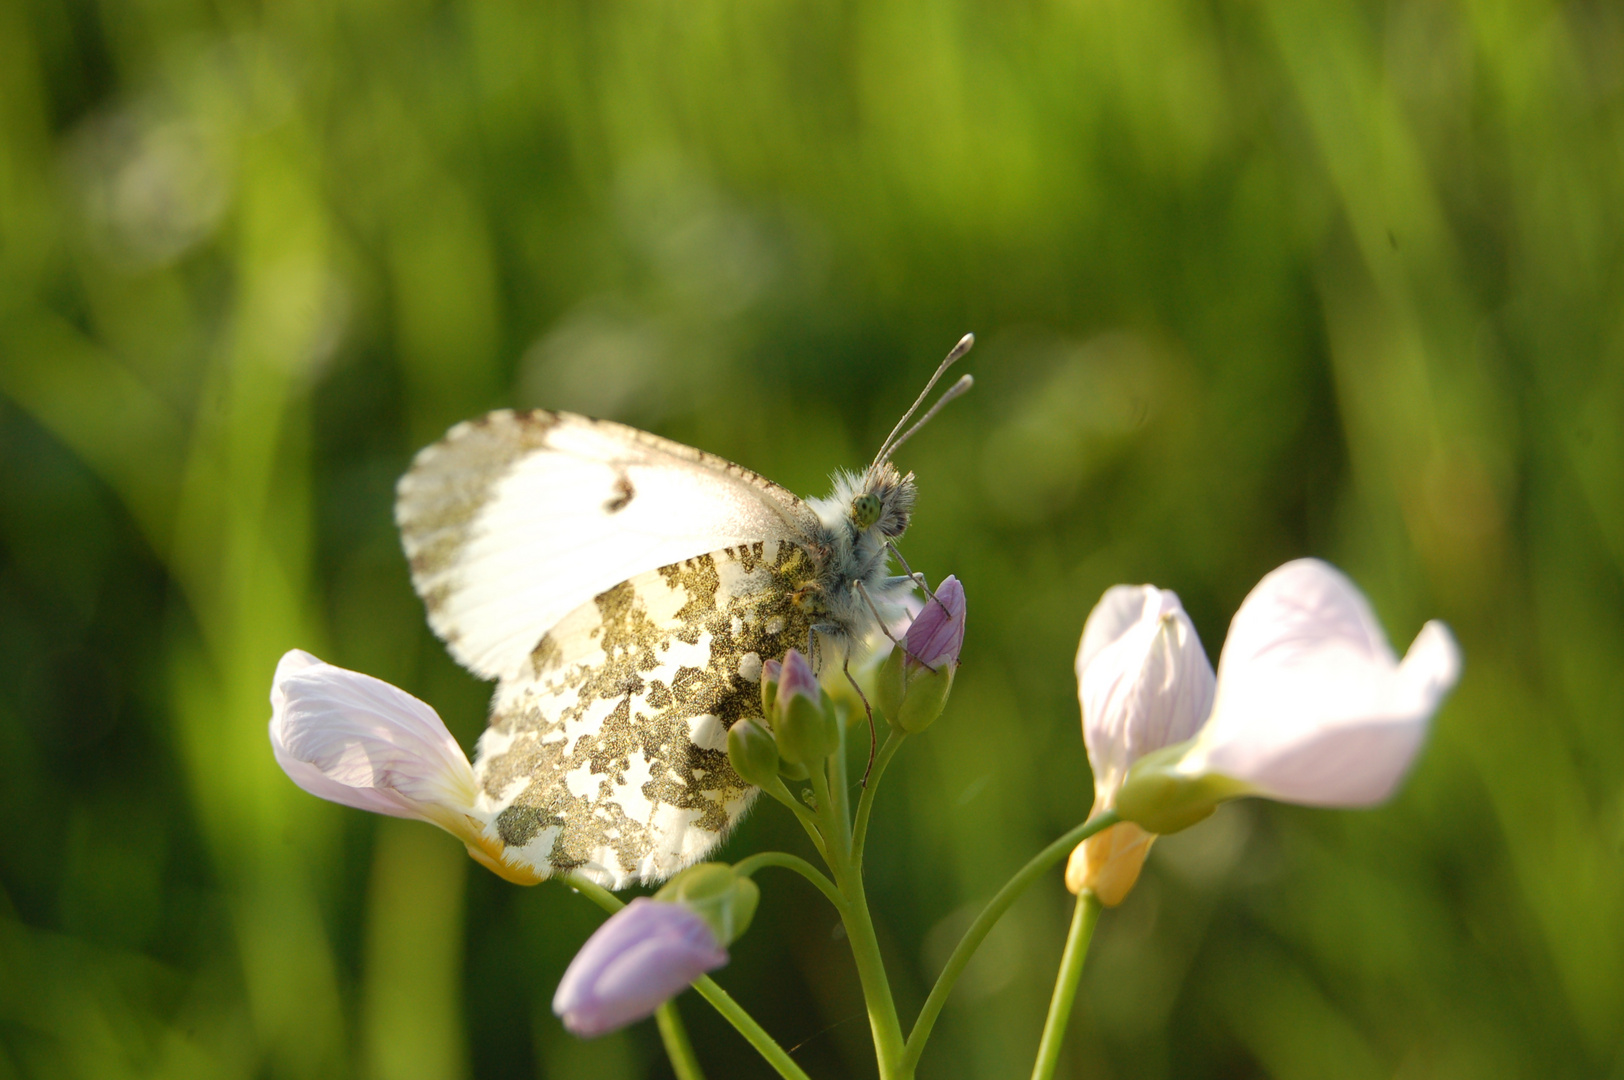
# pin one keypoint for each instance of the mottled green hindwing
(608, 755)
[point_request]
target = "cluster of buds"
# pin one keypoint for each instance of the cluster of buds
(801, 723)
(800, 728)
(1309, 705)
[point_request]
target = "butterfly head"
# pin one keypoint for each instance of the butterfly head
(883, 499)
(882, 502)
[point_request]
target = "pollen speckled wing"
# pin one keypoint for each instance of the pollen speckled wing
(624, 590)
(513, 520)
(607, 756)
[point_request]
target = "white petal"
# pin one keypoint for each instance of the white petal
(1143, 680)
(359, 741)
(1312, 706)
(1117, 611)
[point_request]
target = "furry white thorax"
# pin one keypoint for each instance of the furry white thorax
(856, 560)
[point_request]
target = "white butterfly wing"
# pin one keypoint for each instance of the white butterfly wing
(607, 753)
(514, 520)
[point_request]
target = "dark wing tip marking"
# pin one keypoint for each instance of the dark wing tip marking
(624, 494)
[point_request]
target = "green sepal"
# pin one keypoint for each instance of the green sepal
(890, 684)
(808, 731)
(753, 752)
(726, 901)
(769, 693)
(1161, 799)
(924, 699)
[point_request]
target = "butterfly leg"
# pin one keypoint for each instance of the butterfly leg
(920, 578)
(863, 592)
(873, 737)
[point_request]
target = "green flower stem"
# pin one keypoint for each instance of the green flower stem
(865, 801)
(749, 866)
(746, 1024)
(780, 791)
(1023, 879)
(865, 950)
(677, 1046)
(865, 945)
(720, 999)
(595, 893)
(1065, 984)
(838, 789)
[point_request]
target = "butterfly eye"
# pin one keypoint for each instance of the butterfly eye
(865, 509)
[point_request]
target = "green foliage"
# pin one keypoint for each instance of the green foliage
(1250, 281)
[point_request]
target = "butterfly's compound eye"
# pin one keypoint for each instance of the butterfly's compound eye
(865, 509)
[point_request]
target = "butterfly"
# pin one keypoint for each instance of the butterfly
(624, 592)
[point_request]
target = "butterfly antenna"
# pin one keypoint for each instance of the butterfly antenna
(956, 390)
(891, 440)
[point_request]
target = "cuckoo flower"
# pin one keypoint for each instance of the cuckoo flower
(1311, 706)
(1144, 683)
(643, 954)
(359, 741)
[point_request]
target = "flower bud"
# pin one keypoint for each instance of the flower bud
(724, 899)
(805, 725)
(771, 672)
(753, 752)
(644, 954)
(913, 684)
(1143, 682)
(936, 636)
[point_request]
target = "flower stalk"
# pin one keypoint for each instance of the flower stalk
(1083, 920)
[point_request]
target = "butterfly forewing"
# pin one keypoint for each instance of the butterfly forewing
(607, 750)
(514, 520)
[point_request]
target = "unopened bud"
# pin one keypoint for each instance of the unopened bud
(771, 672)
(803, 721)
(644, 954)
(914, 682)
(726, 901)
(753, 752)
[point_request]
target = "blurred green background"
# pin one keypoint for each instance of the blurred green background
(1252, 280)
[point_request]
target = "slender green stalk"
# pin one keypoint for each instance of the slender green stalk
(1023, 879)
(595, 893)
(865, 801)
(746, 1024)
(865, 951)
(1065, 984)
(780, 791)
(828, 819)
(865, 945)
(839, 791)
(677, 1046)
(747, 867)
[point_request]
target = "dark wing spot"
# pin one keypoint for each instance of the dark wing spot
(624, 493)
(518, 825)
